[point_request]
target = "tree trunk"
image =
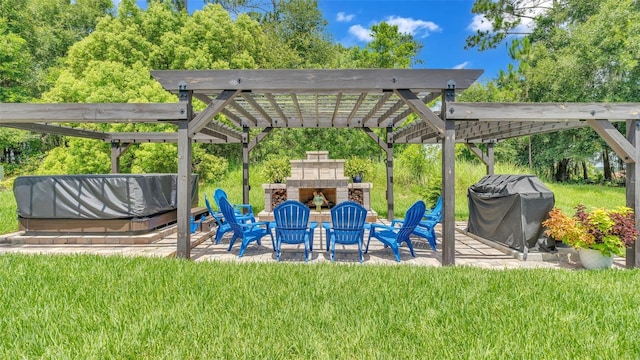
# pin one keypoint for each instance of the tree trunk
(607, 165)
(562, 171)
(585, 174)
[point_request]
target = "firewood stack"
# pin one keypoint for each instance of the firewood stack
(278, 196)
(356, 195)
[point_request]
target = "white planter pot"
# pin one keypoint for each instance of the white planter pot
(593, 259)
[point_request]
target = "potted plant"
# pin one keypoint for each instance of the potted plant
(356, 168)
(598, 235)
(276, 169)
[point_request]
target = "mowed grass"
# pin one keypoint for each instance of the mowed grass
(86, 306)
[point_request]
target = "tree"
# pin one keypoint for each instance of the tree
(390, 48)
(574, 50)
(49, 28)
(15, 61)
(505, 18)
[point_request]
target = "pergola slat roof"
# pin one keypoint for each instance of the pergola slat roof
(378, 98)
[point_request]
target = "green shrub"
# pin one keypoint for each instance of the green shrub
(210, 168)
(355, 166)
(155, 158)
(276, 169)
(413, 161)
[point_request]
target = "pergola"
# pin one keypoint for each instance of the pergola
(364, 99)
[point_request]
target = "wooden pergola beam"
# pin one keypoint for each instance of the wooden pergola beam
(59, 130)
(316, 80)
(422, 110)
(214, 107)
(615, 139)
(543, 111)
(11, 113)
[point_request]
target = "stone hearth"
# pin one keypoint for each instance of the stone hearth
(317, 173)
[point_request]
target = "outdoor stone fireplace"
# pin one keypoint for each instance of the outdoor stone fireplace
(317, 174)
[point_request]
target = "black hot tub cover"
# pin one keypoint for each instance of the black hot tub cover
(108, 196)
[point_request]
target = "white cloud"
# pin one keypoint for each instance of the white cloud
(361, 33)
(413, 27)
(342, 17)
(418, 28)
(480, 23)
(462, 66)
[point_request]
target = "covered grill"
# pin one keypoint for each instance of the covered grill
(509, 209)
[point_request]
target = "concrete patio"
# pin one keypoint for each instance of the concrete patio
(470, 251)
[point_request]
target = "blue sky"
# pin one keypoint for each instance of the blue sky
(440, 25)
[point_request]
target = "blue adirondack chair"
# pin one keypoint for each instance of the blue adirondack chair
(248, 232)
(292, 226)
(435, 212)
(347, 226)
(244, 212)
(392, 236)
(223, 227)
(425, 228)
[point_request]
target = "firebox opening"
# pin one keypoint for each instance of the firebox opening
(307, 194)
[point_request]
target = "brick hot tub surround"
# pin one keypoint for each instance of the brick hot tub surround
(317, 173)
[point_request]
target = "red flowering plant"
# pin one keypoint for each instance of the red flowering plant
(608, 231)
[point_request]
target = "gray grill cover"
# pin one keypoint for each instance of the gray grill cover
(115, 196)
(509, 209)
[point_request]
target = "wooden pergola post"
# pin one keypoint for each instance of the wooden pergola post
(389, 162)
(245, 165)
(632, 258)
(117, 149)
(448, 180)
(490, 159)
(184, 176)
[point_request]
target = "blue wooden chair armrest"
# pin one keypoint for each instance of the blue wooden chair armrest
(313, 225)
(327, 232)
(243, 209)
(218, 217)
(397, 222)
(382, 226)
(256, 224)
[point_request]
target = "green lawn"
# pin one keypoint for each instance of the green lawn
(86, 307)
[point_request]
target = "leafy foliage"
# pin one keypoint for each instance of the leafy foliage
(210, 168)
(276, 168)
(355, 166)
(78, 156)
(608, 231)
(153, 157)
(414, 160)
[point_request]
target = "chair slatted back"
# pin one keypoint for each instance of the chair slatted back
(437, 209)
(292, 221)
(230, 216)
(219, 194)
(411, 220)
(348, 219)
(214, 214)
